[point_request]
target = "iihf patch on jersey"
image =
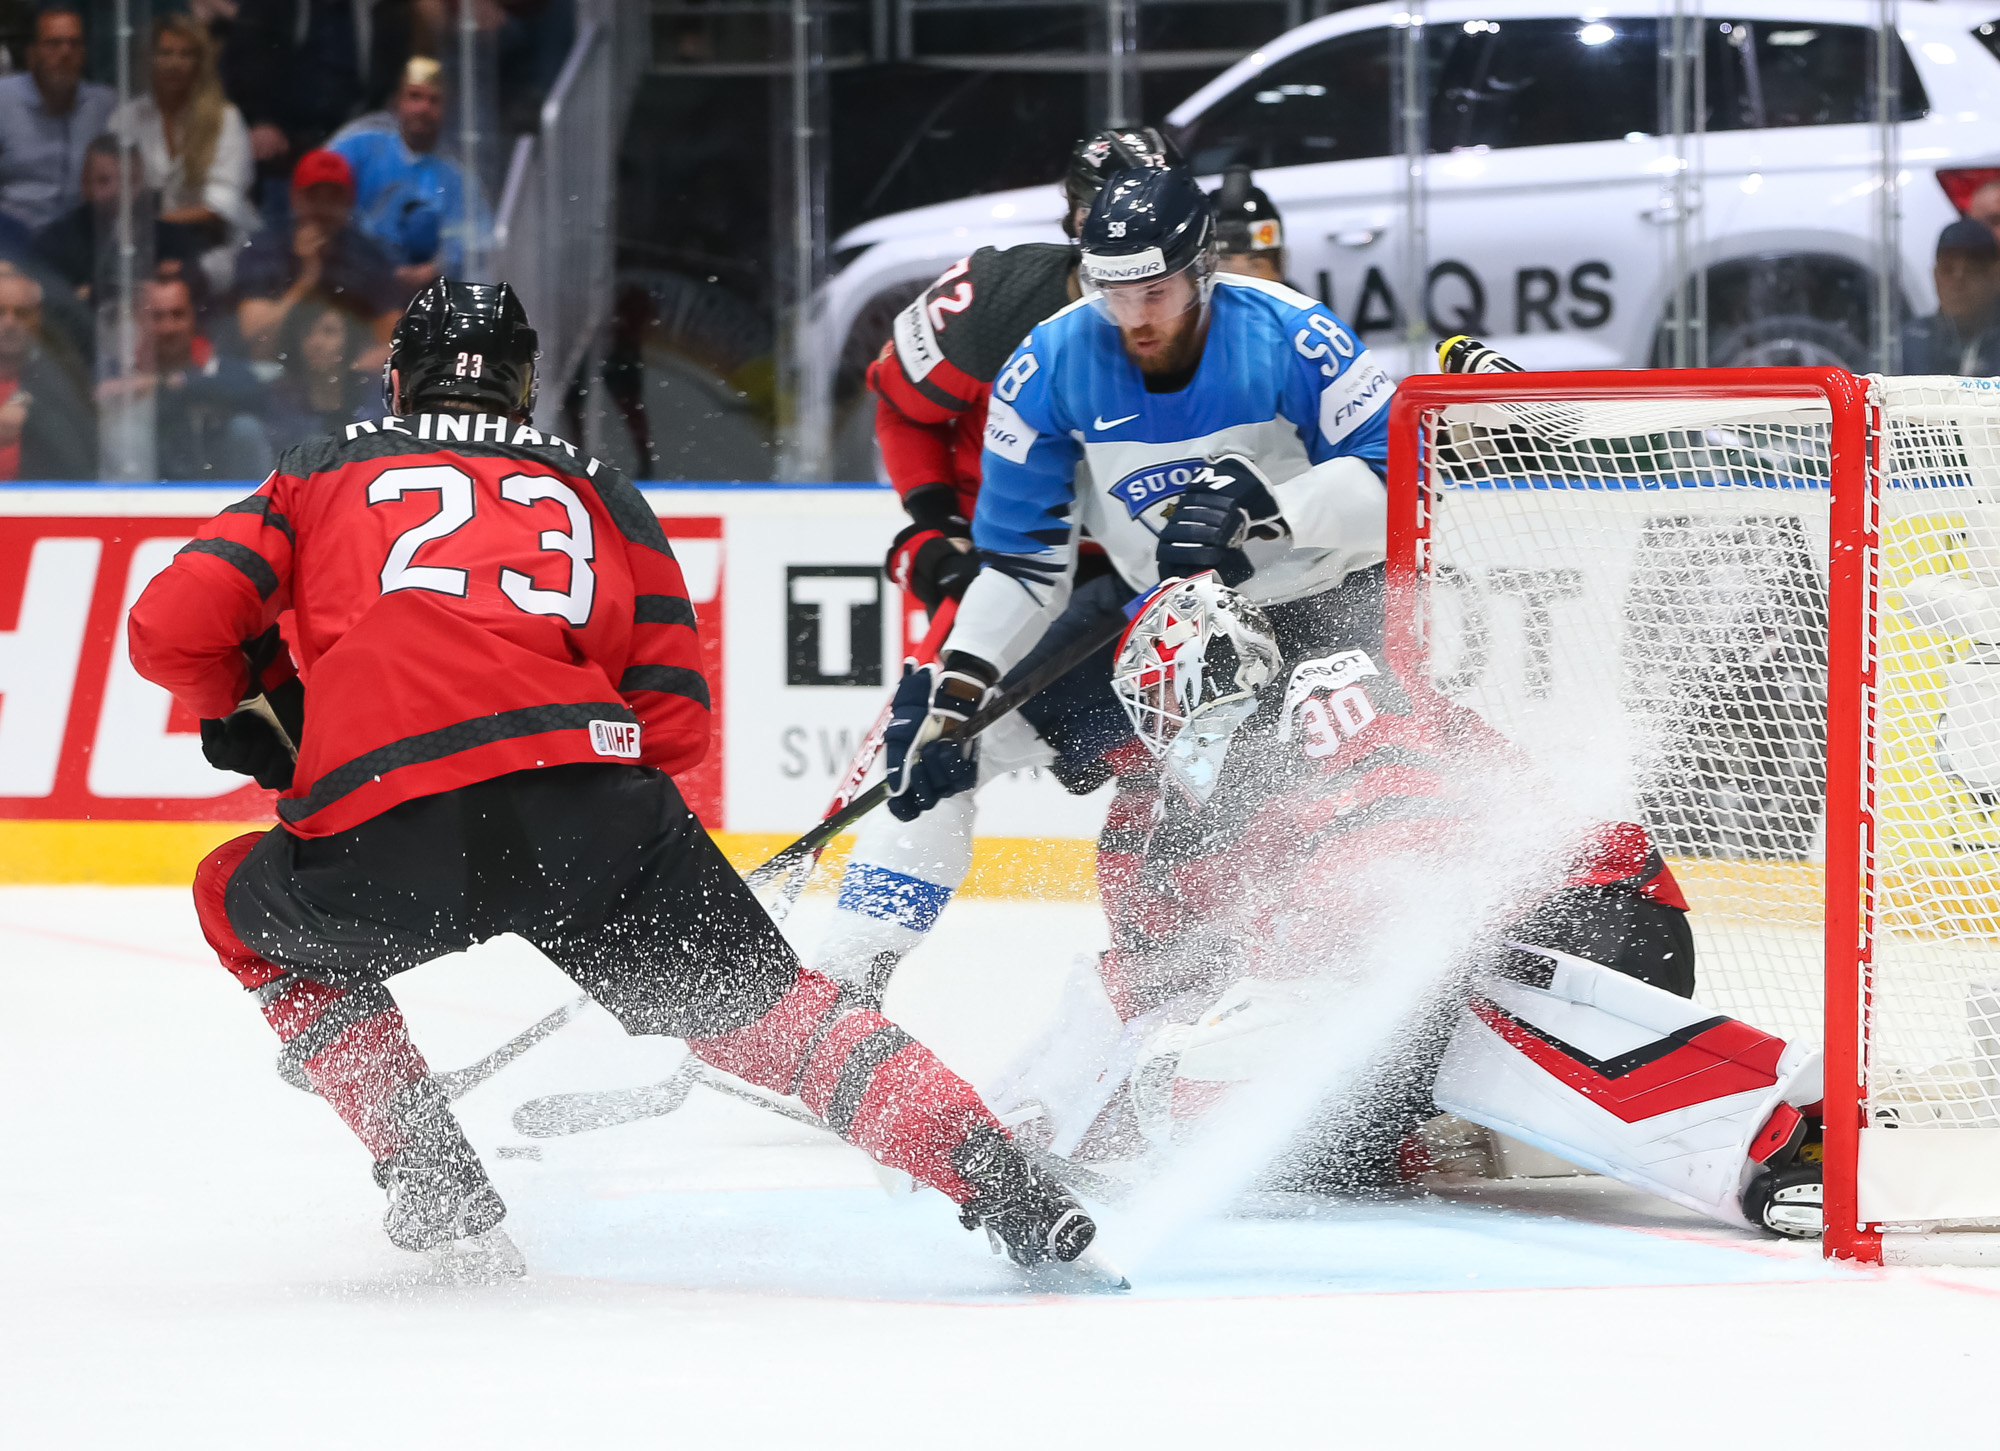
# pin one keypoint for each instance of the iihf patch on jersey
(1139, 490)
(618, 738)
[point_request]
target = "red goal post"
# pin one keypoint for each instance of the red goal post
(1668, 586)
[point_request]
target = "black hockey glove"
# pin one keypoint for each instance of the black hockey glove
(1226, 504)
(930, 566)
(925, 761)
(245, 741)
(933, 557)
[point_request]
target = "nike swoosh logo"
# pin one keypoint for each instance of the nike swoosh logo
(1101, 425)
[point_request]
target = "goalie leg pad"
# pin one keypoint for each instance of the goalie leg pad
(1628, 1080)
(1067, 1076)
(875, 1085)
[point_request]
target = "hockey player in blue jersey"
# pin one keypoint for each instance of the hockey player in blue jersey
(1187, 421)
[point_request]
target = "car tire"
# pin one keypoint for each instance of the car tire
(1789, 340)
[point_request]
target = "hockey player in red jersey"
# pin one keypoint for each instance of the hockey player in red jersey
(496, 678)
(932, 381)
(1571, 1025)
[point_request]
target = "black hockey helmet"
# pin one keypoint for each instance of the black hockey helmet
(1145, 226)
(1093, 160)
(464, 342)
(1245, 220)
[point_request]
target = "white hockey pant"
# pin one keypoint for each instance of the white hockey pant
(903, 873)
(1622, 1078)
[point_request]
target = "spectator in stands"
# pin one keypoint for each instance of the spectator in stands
(194, 145)
(47, 117)
(1963, 335)
(300, 69)
(206, 406)
(408, 198)
(47, 431)
(74, 247)
(324, 387)
(322, 255)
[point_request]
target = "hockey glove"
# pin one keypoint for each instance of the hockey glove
(925, 761)
(1226, 504)
(932, 565)
(245, 741)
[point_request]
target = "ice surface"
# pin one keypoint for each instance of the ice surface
(192, 1258)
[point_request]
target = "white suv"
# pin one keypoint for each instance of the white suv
(1550, 221)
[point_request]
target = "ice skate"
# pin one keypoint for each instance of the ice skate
(477, 1259)
(438, 1191)
(1026, 1213)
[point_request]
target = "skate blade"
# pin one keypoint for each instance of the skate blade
(1089, 1273)
(479, 1259)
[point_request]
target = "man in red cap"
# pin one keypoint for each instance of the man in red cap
(323, 255)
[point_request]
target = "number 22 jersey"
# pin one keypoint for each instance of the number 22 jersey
(468, 598)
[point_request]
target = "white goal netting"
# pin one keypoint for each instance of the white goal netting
(1636, 592)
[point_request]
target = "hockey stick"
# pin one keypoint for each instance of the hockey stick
(575, 1113)
(864, 761)
(1004, 703)
(458, 1082)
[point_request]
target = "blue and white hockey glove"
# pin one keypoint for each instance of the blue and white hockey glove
(925, 761)
(1226, 504)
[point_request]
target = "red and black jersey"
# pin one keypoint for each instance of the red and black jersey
(1361, 767)
(933, 375)
(469, 599)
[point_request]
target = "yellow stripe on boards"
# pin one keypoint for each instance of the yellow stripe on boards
(165, 853)
(117, 853)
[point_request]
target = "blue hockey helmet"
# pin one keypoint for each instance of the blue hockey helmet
(1148, 246)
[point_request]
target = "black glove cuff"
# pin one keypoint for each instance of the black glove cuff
(935, 506)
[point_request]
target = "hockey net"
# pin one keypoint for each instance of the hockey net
(1698, 599)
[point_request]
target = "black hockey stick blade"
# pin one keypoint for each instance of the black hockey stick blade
(1006, 702)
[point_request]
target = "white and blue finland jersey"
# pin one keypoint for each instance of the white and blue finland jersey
(1075, 442)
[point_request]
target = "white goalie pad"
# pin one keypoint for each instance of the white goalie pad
(1069, 1073)
(1625, 1079)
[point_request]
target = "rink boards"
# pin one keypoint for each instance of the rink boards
(102, 778)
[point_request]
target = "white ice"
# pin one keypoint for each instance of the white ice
(191, 1257)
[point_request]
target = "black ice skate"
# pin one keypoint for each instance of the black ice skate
(1025, 1212)
(1786, 1194)
(440, 1200)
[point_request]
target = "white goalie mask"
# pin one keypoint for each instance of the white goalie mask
(1188, 672)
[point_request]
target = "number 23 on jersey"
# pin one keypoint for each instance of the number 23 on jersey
(457, 505)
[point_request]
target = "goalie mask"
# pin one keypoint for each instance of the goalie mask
(1188, 672)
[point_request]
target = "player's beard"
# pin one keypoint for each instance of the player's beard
(1169, 347)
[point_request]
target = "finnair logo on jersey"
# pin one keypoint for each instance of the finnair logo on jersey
(1140, 490)
(1006, 433)
(1135, 267)
(618, 738)
(1351, 399)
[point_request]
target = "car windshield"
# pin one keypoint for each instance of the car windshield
(1542, 82)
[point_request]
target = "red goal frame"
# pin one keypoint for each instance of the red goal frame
(1853, 568)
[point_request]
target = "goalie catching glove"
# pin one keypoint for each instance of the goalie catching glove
(1226, 504)
(925, 760)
